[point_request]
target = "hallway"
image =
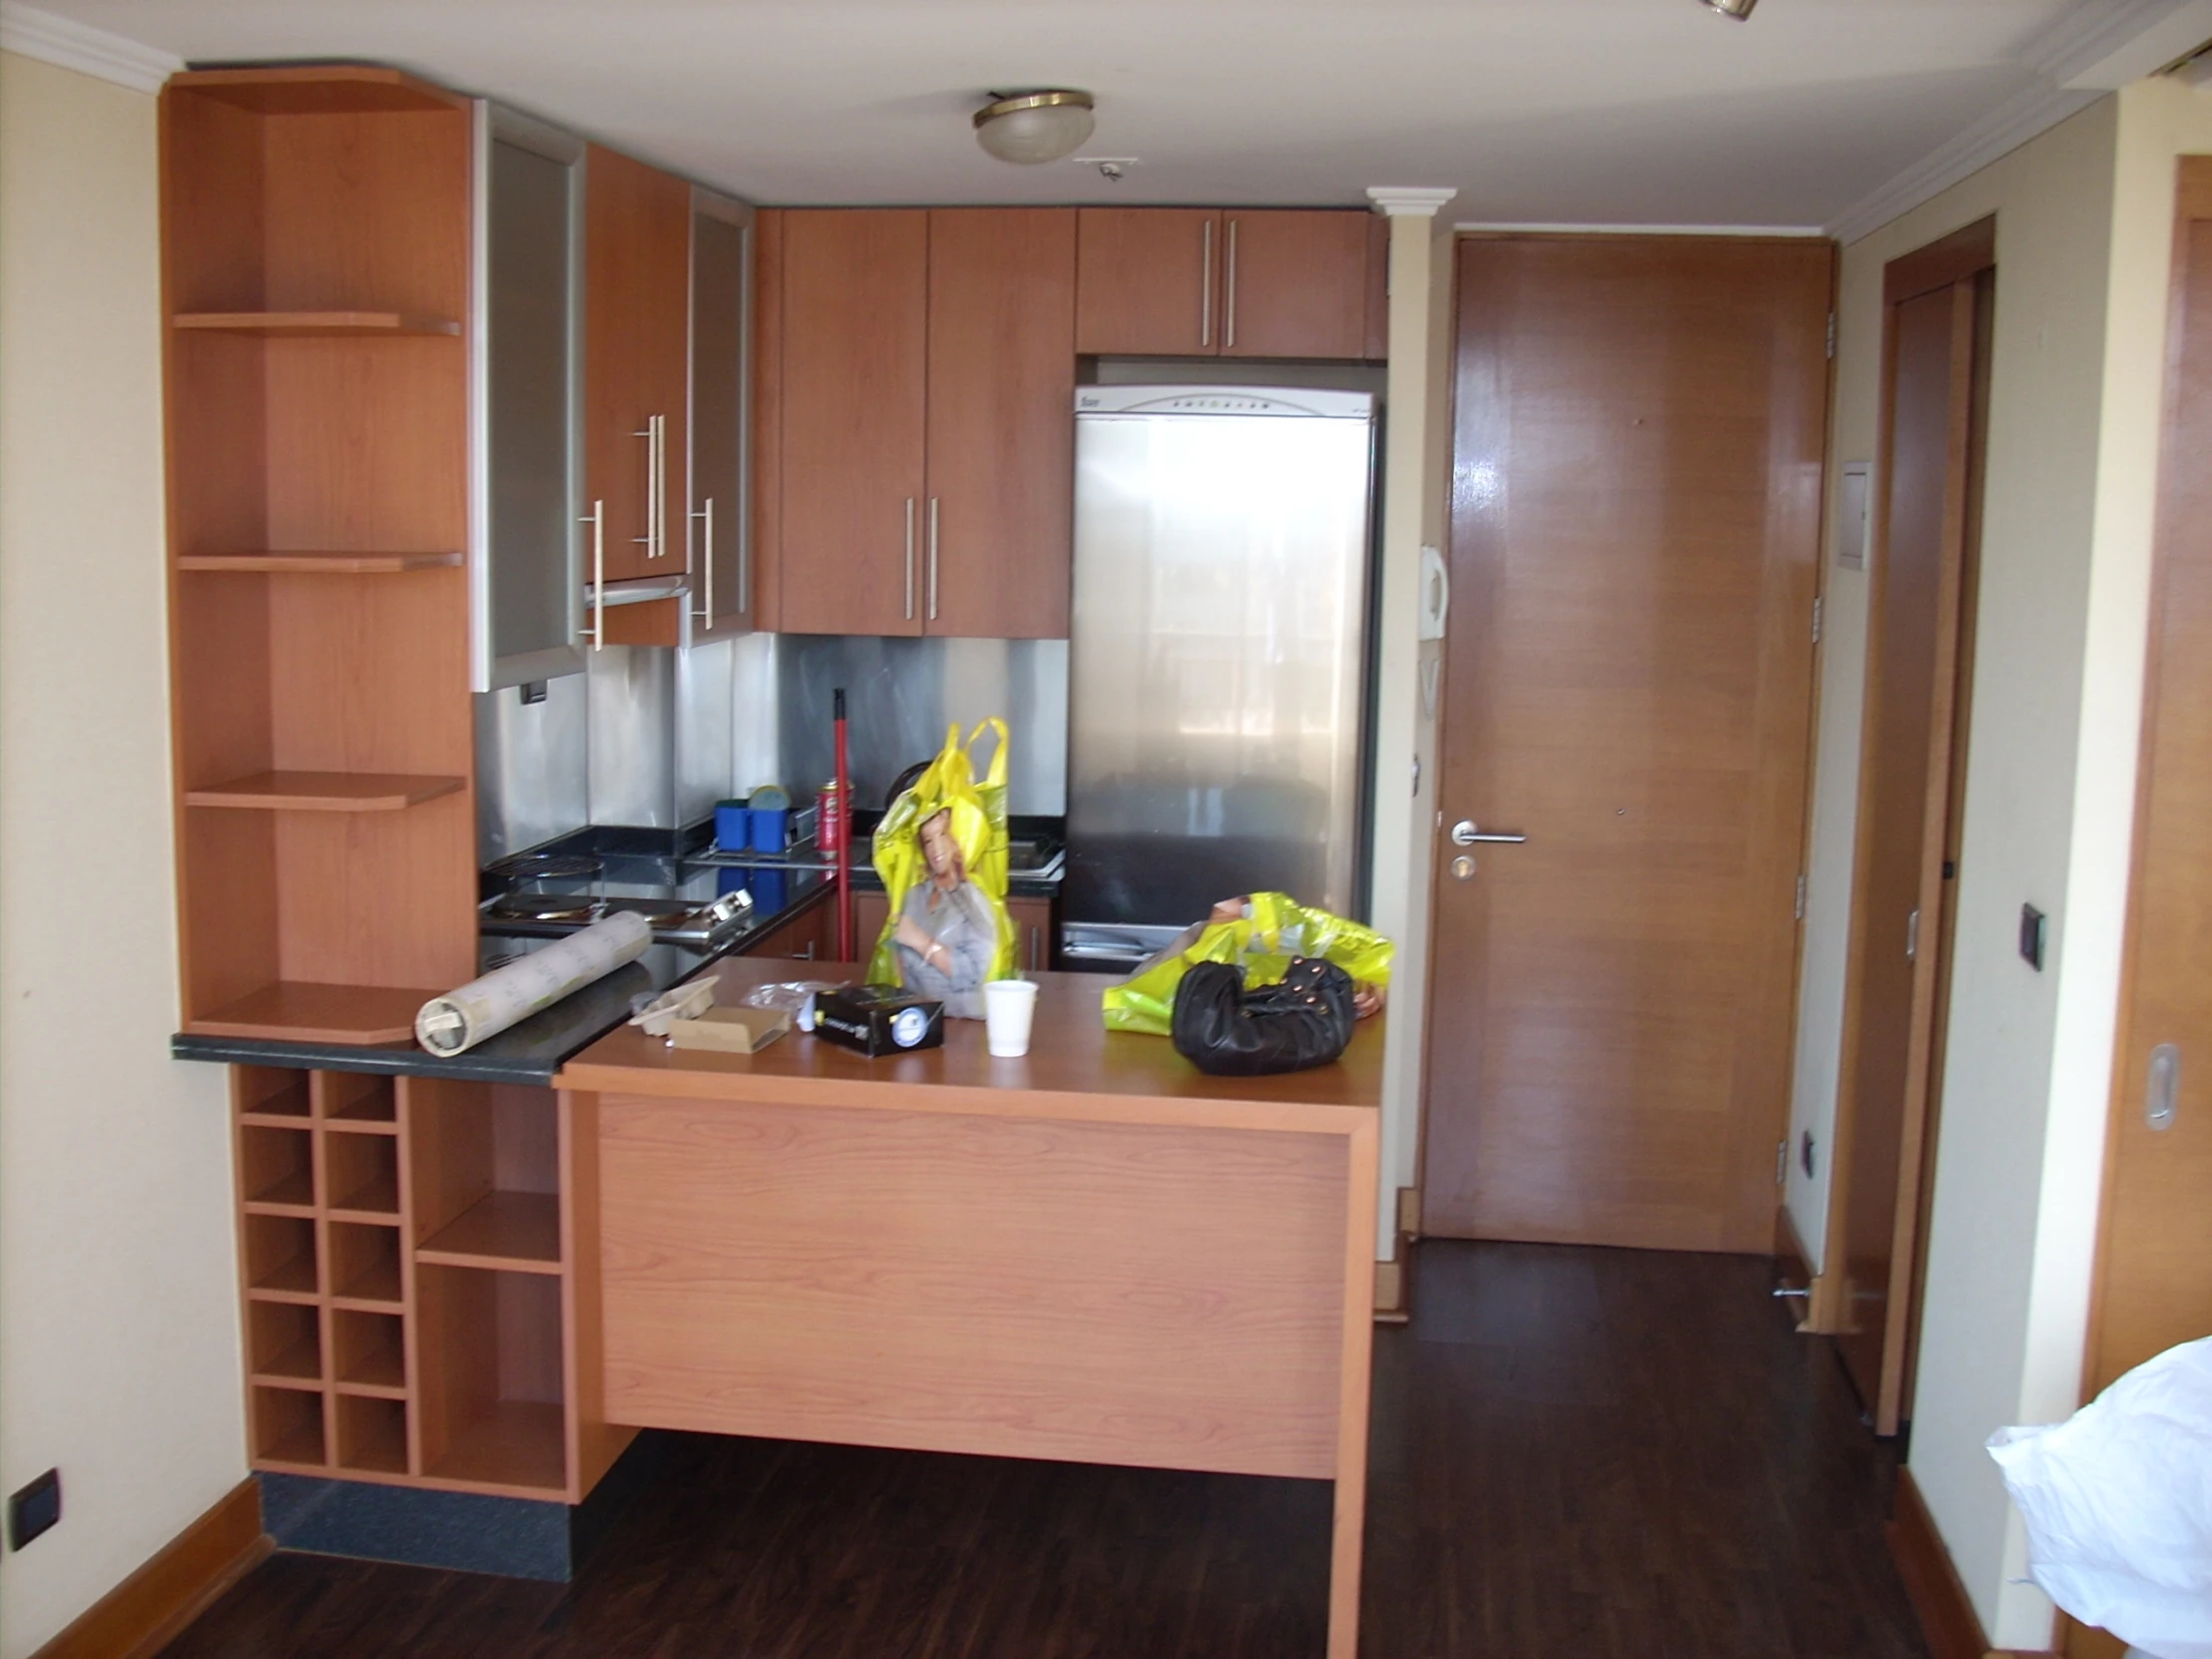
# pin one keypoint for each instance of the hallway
(1576, 1454)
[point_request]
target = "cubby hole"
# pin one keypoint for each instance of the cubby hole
(270, 1092)
(364, 1173)
(277, 1166)
(359, 1099)
(485, 1164)
(373, 1435)
(364, 1263)
(287, 1427)
(285, 1342)
(370, 1351)
(280, 1256)
(491, 1399)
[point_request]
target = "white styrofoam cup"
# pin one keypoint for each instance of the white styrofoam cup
(1010, 1007)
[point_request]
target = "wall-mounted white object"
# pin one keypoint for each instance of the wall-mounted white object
(1436, 593)
(1854, 514)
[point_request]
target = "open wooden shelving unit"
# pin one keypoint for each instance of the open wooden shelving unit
(411, 1298)
(315, 262)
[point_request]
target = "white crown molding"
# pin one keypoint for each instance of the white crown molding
(2024, 116)
(1539, 227)
(1408, 202)
(89, 51)
(2105, 44)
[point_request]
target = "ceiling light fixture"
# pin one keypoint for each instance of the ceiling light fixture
(1034, 125)
(1739, 10)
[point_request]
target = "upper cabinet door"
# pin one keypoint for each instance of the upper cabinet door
(998, 527)
(718, 532)
(1149, 282)
(1296, 284)
(855, 309)
(637, 281)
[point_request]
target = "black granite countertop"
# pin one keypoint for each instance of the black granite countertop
(532, 1053)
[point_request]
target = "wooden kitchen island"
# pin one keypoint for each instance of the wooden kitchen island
(1094, 1254)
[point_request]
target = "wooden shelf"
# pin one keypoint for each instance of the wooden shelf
(376, 1287)
(375, 1201)
(295, 324)
(292, 1281)
(300, 1362)
(326, 791)
(300, 1012)
(294, 1194)
(515, 1231)
(383, 1374)
(300, 1449)
(517, 1444)
(319, 564)
(373, 1436)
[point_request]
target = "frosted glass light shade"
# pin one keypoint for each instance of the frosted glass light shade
(1035, 125)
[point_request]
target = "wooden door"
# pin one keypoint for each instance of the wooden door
(1148, 282)
(855, 309)
(1913, 730)
(1000, 521)
(1634, 542)
(1295, 284)
(637, 323)
(715, 531)
(2154, 1257)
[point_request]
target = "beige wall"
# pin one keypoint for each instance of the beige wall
(2083, 243)
(119, 1353)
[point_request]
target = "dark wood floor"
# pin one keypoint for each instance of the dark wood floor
(1577, 1455)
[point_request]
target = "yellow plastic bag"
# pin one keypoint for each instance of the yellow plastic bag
(1274, 931)
(942, 852)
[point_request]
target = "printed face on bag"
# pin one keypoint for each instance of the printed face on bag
(940, 851)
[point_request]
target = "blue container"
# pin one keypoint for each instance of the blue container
(732, 826)
(729, 878)
(770, 824)
(768, 890)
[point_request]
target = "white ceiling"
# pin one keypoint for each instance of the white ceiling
(1652, 112)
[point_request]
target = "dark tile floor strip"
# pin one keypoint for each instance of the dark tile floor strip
(1577, 1455)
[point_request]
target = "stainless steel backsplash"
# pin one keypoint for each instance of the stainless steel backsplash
(901, 694)
(654, 738)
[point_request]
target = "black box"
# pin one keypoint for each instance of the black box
(879, 1019)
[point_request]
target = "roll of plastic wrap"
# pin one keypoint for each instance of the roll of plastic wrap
(460, 1019)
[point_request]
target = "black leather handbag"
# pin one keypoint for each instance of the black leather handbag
(1303, 1020)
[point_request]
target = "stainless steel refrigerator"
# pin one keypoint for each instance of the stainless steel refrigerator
(1217, 663)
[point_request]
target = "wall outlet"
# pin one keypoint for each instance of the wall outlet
(2034, 931)
(35, 1508)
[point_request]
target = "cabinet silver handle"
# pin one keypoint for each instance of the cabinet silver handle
(933, 558)
(1206, 283)
(2165, 1086)
(1228, 303)
(655, 433)
(597, 520)
(1036, 953)
(707, 536)
(1464, 833)
(910, 558)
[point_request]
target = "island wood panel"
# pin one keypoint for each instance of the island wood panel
(1148, 282)
(1294, 283)
(1105, 1293)
(853, 400)
(636, 354)
(593, 1443)
(999, 532)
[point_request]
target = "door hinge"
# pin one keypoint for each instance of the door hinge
(1832, 335)
(1782, 1160)
(1816, 619)
(1801, 899)
(1913, 936)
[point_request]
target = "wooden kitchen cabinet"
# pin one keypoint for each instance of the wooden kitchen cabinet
(1148, 282)
(917, 422)
(1231, 283)
(853, 414)
(999, 524)
(637, 359)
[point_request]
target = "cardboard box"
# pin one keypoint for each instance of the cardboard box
(729, 1030)
(879, 1019)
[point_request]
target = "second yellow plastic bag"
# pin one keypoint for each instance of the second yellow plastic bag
(1274, 931)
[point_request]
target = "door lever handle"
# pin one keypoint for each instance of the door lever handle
(1464, 833)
